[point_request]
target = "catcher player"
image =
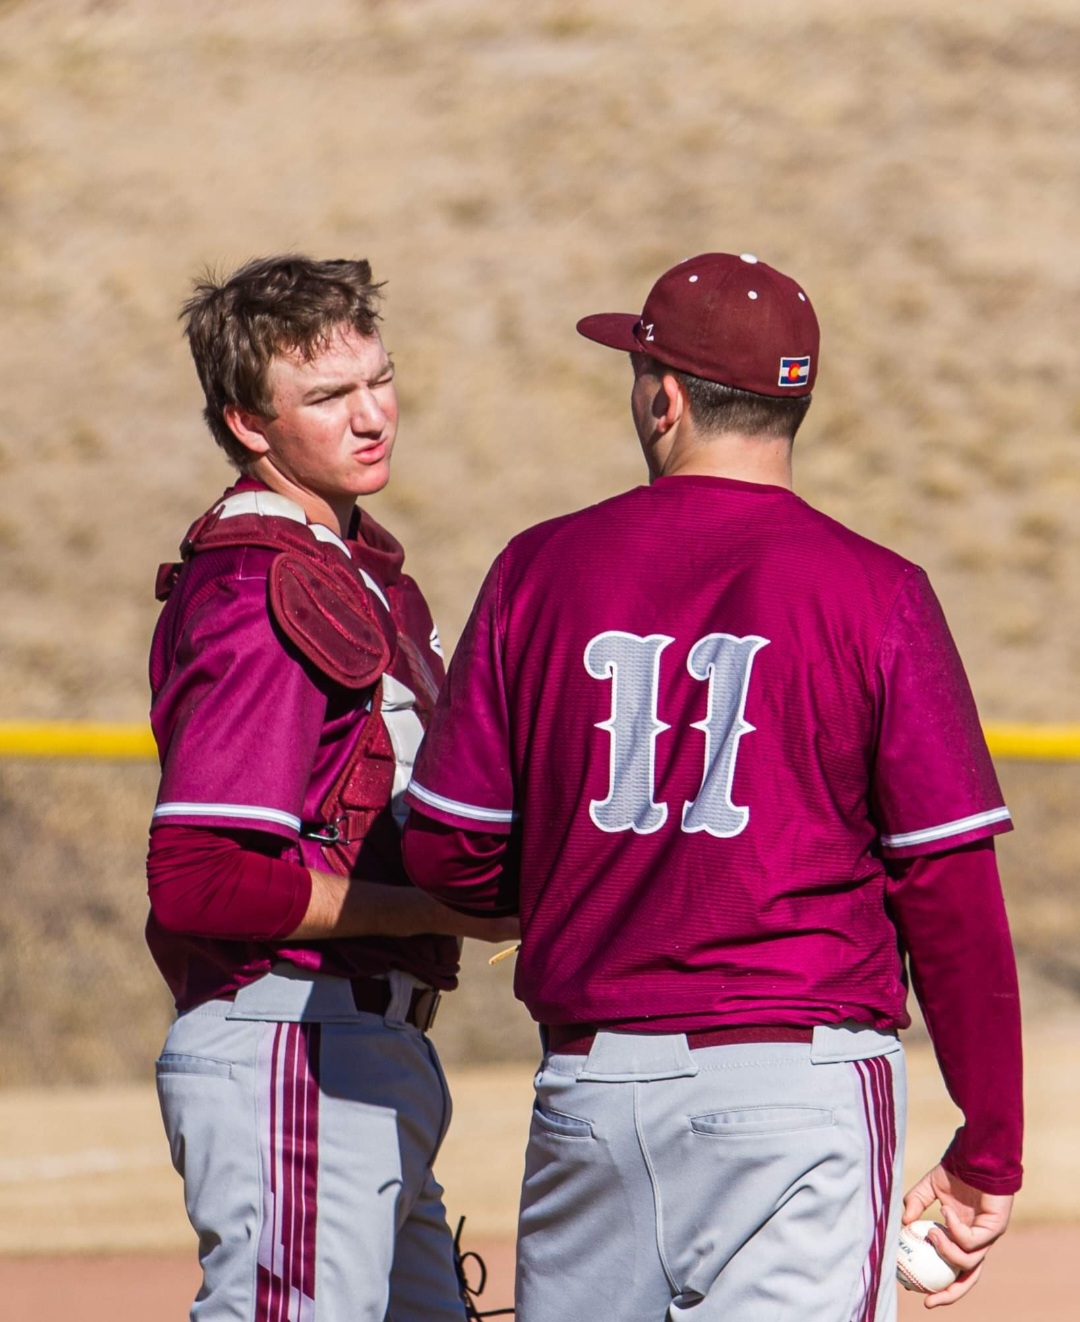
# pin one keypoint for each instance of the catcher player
(720, 754)
(293, 668)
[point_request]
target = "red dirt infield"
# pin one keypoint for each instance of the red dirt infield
(1026, 1281)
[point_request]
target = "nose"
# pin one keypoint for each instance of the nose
(368, 415)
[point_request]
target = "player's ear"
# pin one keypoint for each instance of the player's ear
(673, 400)
(248, 428)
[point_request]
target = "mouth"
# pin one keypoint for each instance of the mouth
(372, 454)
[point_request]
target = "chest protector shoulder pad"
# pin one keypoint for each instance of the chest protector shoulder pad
(329, 616)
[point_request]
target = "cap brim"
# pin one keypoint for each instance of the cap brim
(615, 329)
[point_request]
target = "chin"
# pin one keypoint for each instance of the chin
(373, 481)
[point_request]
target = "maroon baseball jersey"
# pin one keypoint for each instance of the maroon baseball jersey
(252, 737)
(706, 713)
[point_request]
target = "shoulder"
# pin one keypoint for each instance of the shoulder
(553, 536)
(833, 563)
(224, 575)
(828, 536)
(218, 603)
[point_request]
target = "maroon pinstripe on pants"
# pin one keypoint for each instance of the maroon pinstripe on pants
(286, 1285)
(876, 1081)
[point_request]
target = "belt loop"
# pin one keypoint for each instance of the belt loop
(834, 1043)
(401, 992)
(638, 1058)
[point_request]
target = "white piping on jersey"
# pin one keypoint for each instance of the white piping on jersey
(373, 586)
(276, 507)
(261, 502)
(949, 828)
(462, 809)
(405, 731)
(324, 534)
(237, 811)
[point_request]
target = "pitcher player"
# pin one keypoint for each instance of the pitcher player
(720, 754)
(293, 668)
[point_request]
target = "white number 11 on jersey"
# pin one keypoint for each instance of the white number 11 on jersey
(632, 664)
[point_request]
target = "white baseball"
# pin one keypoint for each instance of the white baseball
(919, 1266)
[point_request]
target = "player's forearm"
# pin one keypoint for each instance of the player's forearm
(230, 886)
(951, 916)
(224, 885)
(344, 907)
(469, 870)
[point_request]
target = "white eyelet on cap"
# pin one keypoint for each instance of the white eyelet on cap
(752, 294)
(747, 257)
(802, 295)
(693, 279)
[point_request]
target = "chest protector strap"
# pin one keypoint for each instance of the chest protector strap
(356, 811)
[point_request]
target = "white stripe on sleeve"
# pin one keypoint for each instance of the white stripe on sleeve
(469, 810)
(233, 811)
(947, 829)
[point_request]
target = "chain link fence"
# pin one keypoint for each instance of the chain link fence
(81, 1002)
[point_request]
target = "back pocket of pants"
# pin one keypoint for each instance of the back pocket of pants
(756, 1121)
(561, 1125)
(172, 1062)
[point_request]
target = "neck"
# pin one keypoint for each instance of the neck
(333, 514)
(762, 459)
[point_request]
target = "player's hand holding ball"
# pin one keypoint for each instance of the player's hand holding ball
(945, 1261)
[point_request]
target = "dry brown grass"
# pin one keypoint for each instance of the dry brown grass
(509, 167)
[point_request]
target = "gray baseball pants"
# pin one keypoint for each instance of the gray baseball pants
(305, 1130)
(736, 1183)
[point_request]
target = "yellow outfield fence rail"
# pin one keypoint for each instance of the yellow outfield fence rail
(77, 741)
(1035, 743)
(134, 743)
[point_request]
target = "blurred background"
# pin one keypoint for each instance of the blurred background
(508, 167)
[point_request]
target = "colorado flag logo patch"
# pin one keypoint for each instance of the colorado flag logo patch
(794, 371)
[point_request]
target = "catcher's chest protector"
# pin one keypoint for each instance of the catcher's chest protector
(322, 604)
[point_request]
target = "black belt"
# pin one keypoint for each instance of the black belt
(373, 995)
(577, 1039)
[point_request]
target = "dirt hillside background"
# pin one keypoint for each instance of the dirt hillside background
(509, 167)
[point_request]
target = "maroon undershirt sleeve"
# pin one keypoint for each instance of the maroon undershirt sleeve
(470, 871)
(949, 911)
(226, 884)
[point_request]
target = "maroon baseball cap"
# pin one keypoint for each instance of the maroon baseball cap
(725, 318)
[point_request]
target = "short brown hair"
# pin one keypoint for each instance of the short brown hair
(292, 304)
(719, 408)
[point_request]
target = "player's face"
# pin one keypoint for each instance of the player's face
(336, 418)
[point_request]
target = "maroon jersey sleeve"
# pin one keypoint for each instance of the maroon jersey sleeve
(950, 914)
(934, 785)
(238, 719)
(468, 783)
